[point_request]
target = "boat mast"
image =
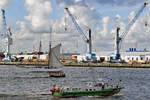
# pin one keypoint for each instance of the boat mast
(50, 51)
(40, 49)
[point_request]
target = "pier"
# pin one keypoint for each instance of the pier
(25, 63)
(108, 65)
(43, 64)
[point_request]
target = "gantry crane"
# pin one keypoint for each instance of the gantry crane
(85, 38)
(119, 39)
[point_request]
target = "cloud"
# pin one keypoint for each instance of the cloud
(106, 29)
(105, 21)
(63, 3)
(139, 33)
(38, 15)
(36, 26)
(118, 2)
(108, 2)
(131, 15)
(87, 15)
(3, 5)
(26, 40)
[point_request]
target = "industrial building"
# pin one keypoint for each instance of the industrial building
(130, 55)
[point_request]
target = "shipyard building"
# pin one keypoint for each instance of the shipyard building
(129, 55)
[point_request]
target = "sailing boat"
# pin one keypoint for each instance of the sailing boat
(54, 63)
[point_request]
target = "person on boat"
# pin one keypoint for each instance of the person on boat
(103, 86)
(53, 89)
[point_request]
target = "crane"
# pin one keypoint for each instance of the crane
(119, 39)
(7, 35)
(85, 38)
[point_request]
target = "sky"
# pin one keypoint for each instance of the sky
(34, 20)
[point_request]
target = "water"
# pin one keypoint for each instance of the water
(22, 84)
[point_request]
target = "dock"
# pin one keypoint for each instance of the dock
(25, 63)
(79, 64)
(111, 65)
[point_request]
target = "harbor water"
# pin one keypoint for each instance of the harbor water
(19, 83)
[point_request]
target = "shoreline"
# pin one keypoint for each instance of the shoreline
(25, 63)
(108, 65)
(45, 64)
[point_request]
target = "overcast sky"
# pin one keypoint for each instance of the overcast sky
(32, 21)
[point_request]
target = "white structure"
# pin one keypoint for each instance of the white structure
(136, 56)
(126, 56)
(42, 57)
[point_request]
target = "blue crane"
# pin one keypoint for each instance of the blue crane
(7, 35)
(119, 39)
(85, 38)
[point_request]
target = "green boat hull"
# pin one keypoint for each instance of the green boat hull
(105, 92)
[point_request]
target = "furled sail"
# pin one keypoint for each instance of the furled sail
(54, 61)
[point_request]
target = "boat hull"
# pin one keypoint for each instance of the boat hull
(100, 93)
(57, 74)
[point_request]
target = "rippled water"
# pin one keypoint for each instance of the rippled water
(22, 84)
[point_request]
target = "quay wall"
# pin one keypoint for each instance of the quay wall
(79, 64)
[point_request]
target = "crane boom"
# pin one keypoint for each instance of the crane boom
(77, 26)
(84, 37)
(133, 21)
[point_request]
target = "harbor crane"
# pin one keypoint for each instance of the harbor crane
(119, 39)
(7, 35)
(85, 38)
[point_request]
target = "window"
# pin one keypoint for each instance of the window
(67, 89)
(108, 58)
(136, 58)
